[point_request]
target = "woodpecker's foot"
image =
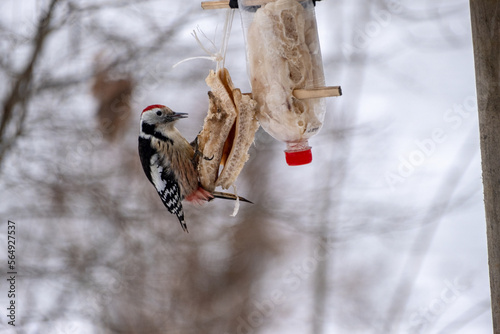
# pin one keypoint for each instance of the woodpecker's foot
(196, 156)
(198, 153)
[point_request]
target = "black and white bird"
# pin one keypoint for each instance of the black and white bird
(168, 160)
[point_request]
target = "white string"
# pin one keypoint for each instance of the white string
(215, 55)
(236, 203)
(228, 24)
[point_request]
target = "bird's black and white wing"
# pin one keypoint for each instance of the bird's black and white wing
(163, 178)
(167, 187)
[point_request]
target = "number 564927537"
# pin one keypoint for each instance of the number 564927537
(11, 245)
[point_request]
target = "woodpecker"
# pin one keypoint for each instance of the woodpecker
(169, 161)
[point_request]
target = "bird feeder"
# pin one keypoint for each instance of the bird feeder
(285, 70)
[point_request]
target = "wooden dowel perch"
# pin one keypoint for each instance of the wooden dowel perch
(225, 4)
(215, 4)
(314, 93)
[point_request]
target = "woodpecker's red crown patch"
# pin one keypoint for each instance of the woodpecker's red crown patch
(153, 106)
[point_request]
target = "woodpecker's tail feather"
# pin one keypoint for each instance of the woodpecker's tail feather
(183, 223)
(218, 194)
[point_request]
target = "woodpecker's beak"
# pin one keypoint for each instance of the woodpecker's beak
(178, 115)
(175, 116)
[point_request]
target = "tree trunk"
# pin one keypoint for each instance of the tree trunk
(485, 16)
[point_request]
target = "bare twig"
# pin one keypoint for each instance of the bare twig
(21, 87)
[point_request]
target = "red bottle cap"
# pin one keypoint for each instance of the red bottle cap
(298, 158)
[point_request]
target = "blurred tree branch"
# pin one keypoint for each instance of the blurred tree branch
(21, 87)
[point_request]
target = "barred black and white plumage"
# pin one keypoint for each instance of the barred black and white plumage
(165, 182)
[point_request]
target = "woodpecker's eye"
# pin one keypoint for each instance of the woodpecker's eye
(158, 113)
